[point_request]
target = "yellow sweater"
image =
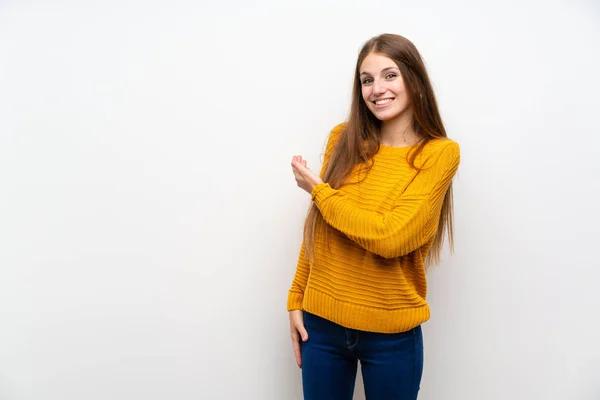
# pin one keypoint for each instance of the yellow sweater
(370, 275)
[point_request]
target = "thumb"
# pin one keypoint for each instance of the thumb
(303, 333)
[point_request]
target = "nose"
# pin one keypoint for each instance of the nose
(378, 88)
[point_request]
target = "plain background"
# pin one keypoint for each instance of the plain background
(150, 222)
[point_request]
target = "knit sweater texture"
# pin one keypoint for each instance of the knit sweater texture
(369, 272)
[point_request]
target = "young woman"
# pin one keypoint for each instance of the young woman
(381, 207)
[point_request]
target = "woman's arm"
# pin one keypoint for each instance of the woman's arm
(296, 292)
(412, 222)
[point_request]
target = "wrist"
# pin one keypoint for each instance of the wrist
(317, 188)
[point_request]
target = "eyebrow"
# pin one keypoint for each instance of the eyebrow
(383, 70)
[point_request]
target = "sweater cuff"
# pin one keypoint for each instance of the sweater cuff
(295, 300)
(321, 192)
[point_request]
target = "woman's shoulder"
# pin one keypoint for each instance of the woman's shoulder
(441, 150)
(439, 145)
(337, 130)
(334, 135)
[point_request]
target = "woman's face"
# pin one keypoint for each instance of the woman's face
(383, 89)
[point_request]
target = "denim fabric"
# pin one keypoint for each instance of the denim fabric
(391, 364)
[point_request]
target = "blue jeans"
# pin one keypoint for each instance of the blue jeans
(391, 364)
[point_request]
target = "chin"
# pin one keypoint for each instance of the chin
(386, 116)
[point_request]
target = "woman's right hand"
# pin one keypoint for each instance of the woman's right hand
(298, 333)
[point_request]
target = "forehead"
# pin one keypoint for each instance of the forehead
(374, 63)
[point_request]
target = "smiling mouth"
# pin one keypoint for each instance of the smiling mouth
(383, 101)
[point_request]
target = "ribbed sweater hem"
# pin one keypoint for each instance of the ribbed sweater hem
(361, 317)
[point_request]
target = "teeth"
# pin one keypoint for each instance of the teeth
(385, 101)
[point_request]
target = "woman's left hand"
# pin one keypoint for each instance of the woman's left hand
(305, 178)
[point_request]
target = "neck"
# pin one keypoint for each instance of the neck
(398, 132)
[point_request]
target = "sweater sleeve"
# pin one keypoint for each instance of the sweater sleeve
(296, 292)
(409, 225)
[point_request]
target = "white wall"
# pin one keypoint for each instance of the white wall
(150, 222)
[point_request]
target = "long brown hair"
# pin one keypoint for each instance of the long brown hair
(360, 138)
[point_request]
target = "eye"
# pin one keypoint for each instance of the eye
(366, 81)
(391, 76)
